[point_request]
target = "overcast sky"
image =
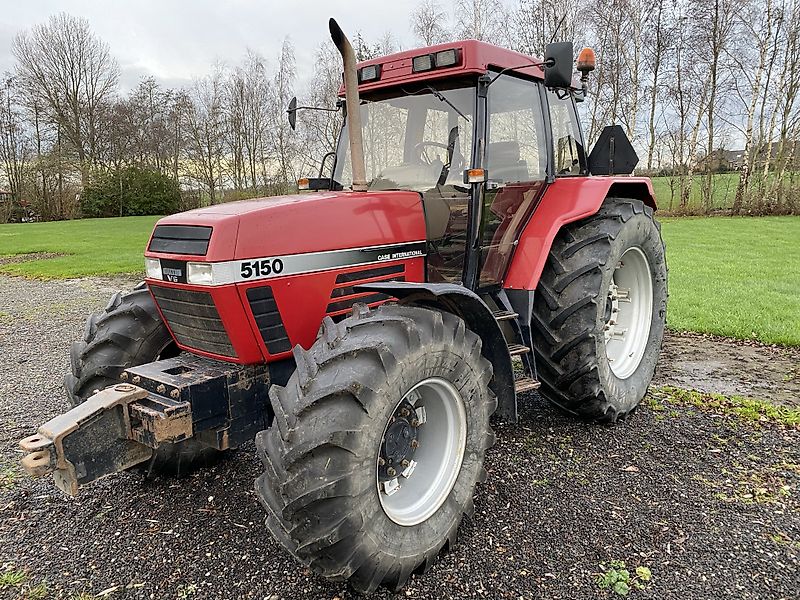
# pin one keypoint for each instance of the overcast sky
(176, 40)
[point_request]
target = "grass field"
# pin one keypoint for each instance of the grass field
(89, 246)
(737, 277)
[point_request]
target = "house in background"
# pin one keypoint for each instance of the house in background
(721, 160)
(5, 196)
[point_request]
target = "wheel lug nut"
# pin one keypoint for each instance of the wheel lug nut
(404, 412)
(405, 463)
(414, 444)
(381, 461)
(391, 472)
(415, 422)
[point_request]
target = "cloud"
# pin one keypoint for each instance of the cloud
(178, 40)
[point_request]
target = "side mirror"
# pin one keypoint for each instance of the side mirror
(558, 65)
(292, 110)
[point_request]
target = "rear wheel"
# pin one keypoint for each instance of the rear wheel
(377, 444)
(600, 311)
(129, 332)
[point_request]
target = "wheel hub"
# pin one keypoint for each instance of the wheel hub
(420, 454)
(399, 443)
(628, 313)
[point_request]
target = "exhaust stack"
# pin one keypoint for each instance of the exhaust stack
(353, 106)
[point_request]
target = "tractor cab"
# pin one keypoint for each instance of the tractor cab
(475, 130)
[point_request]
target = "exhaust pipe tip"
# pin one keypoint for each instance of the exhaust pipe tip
(337, 35)
(353, 105)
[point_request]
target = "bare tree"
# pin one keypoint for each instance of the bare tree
(757, 27)
(656, 45)
(15, 143)
(73, 73)
(429, 23)
(204, 121)
(535, 23)
(484, 20)
(715, 41)
(281, 141)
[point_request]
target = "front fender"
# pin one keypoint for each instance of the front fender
(478, 316)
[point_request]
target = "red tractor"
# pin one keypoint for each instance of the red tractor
(463, 250)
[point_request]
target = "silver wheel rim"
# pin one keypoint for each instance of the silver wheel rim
(416, 489)
(629, 313)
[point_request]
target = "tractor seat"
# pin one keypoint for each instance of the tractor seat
(504, 163)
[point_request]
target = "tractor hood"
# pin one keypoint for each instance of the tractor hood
(289, 225)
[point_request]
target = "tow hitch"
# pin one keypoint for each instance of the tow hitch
(168, 401)
(103, 435)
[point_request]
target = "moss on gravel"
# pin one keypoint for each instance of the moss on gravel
(747, 409)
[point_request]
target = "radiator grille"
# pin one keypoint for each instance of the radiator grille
(265, 311)
(193, 319)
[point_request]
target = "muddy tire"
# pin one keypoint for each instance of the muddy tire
(127, 333)
(324, 487)
(600, 310)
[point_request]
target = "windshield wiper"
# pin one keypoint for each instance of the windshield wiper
(438, 96)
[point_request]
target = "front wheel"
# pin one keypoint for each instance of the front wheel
(600, 310)
(377, 444)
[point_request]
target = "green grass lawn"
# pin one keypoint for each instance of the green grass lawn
(738, 277)
(90, 246)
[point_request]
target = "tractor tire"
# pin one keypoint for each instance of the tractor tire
(127, 333)
(347, 415)
(599, 312)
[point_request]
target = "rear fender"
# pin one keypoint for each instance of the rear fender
(478, 317)
(566, 200)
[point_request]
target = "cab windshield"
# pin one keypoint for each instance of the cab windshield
(414, 139)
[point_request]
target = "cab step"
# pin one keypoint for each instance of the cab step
(526, 384)
(504, 315)
(517, 349)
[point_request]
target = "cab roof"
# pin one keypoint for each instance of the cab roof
(475, 58)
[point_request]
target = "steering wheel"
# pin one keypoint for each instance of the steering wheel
(420, 150)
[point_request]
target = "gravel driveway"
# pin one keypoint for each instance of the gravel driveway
(707, 502)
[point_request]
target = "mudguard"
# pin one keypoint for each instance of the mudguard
(479, 318)
(566, 200)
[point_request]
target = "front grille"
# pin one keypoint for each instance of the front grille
(193, 319)
(268, 319)
(180, 239)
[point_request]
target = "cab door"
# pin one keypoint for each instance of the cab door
(516, 160)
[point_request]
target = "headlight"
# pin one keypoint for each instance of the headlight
(152, 267)
(199, 273)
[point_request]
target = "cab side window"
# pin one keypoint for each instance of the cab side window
(569, 155)
(516, 149)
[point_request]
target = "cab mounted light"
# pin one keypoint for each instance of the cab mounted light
(448, 58)
(422, 63)
(303, 184)
(369, 73)
(439, 60)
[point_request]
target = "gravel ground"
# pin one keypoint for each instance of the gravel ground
(707, 502)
